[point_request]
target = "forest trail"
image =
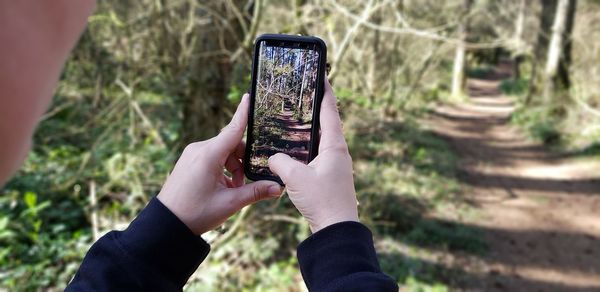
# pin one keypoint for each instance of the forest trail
(539, 211)
(296, 135)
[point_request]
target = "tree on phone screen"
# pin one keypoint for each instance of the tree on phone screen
(286, 84)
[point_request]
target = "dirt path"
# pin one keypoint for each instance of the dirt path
(295, 130)
(540, 212)
(295, 136)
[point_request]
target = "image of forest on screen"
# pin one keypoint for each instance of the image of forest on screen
(285, 90)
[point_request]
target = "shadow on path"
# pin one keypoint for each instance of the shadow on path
(540, 211)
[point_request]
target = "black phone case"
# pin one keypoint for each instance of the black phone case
(314, 141)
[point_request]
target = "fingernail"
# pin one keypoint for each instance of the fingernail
(274, 191)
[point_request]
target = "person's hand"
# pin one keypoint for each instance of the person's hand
(323, 191)
(199, 193)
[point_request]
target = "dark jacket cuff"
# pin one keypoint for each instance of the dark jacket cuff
(338, 255)
(160, 240)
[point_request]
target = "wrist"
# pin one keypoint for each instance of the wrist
(315, 227)
(179, 212)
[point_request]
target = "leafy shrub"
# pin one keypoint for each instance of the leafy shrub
(539, 123)
(514, 87)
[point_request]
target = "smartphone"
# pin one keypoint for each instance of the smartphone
(285, 99)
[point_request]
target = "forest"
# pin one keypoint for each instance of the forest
(473, 125)
(285, 92)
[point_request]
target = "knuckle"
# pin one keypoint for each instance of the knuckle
(294, 171)
(340, 146)
(256, 193)
(191, 147)
(196, 150)
(233, 126)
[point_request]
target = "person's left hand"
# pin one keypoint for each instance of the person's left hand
(199, 193)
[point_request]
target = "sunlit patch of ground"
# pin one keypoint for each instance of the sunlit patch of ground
(540, 211)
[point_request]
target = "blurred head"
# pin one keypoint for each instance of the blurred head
(36, 38)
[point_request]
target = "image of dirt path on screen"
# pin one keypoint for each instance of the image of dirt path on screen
(285, 91)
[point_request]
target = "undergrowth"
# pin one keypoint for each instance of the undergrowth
(404, 176)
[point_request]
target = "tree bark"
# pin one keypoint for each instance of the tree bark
(518, 39)
(541, 48)
(374, 67)
(303, 81)
(205, 104)
(553, 81)
(563, 70)
(458, 74)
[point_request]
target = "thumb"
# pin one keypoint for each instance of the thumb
(232, 134)
(284, 166)
(254, 192)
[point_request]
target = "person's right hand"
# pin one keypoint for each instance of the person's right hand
(323, 191)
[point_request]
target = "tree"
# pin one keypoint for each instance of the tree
(219, 47)
(458, 74)
(560, 79)
(519, 43)
(558, 53)
(303, 82)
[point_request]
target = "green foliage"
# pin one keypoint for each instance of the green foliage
(402, 173)
(539, 123)
(414, 285)
(37, 247)
(514, 87)
(480, 71)
(590, 150)
(448, 235)
(115, 126)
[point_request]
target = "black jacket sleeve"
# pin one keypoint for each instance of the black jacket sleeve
(156, 252)
(341, 257)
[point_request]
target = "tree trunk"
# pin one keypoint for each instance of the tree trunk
(565, 62)
(518, 39)
(299, 27)
(203, 108)
(303, 81)
(205, 103)
(374, 67)
(560, 36)
(541, 48)
(458, 74)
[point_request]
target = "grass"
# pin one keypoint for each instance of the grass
(514, 87)
(559, 128)
(404, 175)
(480, 71)
(537, 120)
(539, 124)
(591, 150)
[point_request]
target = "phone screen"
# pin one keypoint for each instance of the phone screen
(283, 104)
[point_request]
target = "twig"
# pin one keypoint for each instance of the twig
(251, 33)
(94, 210)
(350, 34)
(138, 110)
(412, 31)
(234, 227)
(585, 106)
(283, 218)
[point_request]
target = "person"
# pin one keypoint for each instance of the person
(163, 246)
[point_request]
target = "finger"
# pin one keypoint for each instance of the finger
(251, 193)
(230, 137)
(234, 166)
(240, 150)
(284, 166)
(331, 125)
(226, 181)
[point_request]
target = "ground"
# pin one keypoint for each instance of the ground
(294, 139)
(539, 211)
